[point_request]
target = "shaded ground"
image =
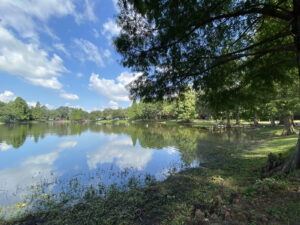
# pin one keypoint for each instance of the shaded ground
(231, 194)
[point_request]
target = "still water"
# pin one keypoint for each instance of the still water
(53, 153)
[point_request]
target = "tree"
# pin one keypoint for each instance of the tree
(76, 114)
(175, 43)
(186, 105)
(21, 109)
(133, 111)
(37, 112)
(7, 112)
(285, 103)
(63, 112)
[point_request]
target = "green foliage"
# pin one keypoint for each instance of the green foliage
(76, 114)
(186, 105)
(133, 112)
(21, 109)
(175, 43)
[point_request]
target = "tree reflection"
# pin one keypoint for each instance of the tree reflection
(202, 145)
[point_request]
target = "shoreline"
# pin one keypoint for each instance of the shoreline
(232, 192)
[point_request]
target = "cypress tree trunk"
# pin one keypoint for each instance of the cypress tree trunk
(228, 125)
(272, 122)
(237, 119)
(288, 126)
(294, 161)
(255, 120)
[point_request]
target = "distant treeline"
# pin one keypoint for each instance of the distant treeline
(186, 106)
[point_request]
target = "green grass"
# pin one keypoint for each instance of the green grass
(176, 199)
(113, 121)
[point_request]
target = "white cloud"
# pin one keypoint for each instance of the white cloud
(31, 104)
(4, 147)
(96, 33)
(113, 105)
(110, 29)
(69, 96)
(89, 11)
(122, 152)
(108, 88)
(126, 77)
(107, 53)
(25, 16)
(28, 17)
(115, 2)
(61, 47)
(7, 96)
(49, 106)
(115, 91)
(88, 51)
(79, 75)
(29, 62)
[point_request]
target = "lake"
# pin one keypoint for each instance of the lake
(54, 153)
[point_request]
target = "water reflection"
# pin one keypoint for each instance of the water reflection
(17, 182)
(122, 152)
(48, 152)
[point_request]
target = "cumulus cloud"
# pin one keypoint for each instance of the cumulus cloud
(7, 96)
(108, 88)
(110, 29)
(26, 16)
(113, 105)
(69, 96)
(126, 77)
(31, 104)
(122, 152)
(88, 51)
(29, 62)
(49, 106)
(111, 89)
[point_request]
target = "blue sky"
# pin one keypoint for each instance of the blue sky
(60, 53)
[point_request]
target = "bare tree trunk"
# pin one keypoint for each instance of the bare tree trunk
(237, 119)
(228, 125)
(294, 161)
(288, 126)
(255, 120)
(272, 122)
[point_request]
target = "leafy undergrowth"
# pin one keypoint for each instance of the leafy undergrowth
(231, 194)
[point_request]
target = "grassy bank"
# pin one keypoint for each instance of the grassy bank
(113, 121)
(233, 192)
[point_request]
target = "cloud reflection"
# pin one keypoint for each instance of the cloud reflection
(15, 183)
(122, 152)
(4, 147)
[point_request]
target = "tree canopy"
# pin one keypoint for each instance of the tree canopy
(175, 43)
(228, 48)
